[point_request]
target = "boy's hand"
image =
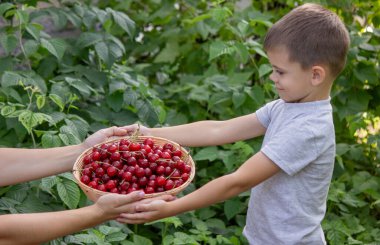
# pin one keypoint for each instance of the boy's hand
(147, 210)
(137, 127)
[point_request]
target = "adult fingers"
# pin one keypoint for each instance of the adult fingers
(114, 131)
(129, 198)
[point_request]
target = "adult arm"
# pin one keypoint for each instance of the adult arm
(254, 171)
(42, 227)
(20, 165)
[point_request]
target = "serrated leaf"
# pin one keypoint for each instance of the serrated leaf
(80, 85)
(58, 101)
(11, 79)
(140, 240)
(115, 101)
(170, 220)
(34, 30)
(41, 99)
(31, 119)
(264, 69)
(107, 230)
(65, 139)
(122, 20)
(69, 193)
(56, 47)
(8, 42)
(4, 7)
(49, 140)
(7, 110)
(238, 99)
(116, 237)
(207, 153)
(103, 52)
(232, 208)
(48, 183)
(87, 39)
(71, 135)
(219, 48)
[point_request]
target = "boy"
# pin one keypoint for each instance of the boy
(291, 173)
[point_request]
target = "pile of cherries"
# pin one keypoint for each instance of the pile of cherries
(127, 165)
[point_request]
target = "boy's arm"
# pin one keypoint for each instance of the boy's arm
(254, 171)
(206, 133)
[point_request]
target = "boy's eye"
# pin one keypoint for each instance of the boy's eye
(279, 72)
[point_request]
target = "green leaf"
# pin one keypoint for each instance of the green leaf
(264, 69)
(4, 7)
(169, 53)
(232, 208)
(56, 47)
(116, 237)
(48, 183)
(34, 30)
(41, 99)
(69, 193)
(140, 240)
(207, 153)
(7, 110)
(30, 47)
(122, 20)
(103, 52)
(87, 39)
(58, 101)
(107, 230)
(219, 48)
(8, 42)
(115, 101)
(10, 78)
(79, 84)
(238, 99)
(170, 220)
(31, 119)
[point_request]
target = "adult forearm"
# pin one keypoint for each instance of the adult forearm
(19, 165)
(43, 227)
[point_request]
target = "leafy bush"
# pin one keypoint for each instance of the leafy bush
(167, 63)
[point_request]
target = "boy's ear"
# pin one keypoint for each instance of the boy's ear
(318, 75)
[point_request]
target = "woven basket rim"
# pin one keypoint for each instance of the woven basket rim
(94, 193)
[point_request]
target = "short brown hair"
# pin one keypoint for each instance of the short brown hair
(312, 35)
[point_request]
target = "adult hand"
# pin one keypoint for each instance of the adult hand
(103, 135)
(146, 211)
(112, 205)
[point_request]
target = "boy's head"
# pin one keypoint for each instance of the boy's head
(312, 35)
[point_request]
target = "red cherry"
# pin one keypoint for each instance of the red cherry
(111, 171)
(160, 170)
(160, 181)
(95, 156)
(115, 156)
(169, 184)
(85, 179)
(110, 185)
(112, 148)
(149, 141)
(149, 190)
(134, 146)
(102, 187)
(127, 176)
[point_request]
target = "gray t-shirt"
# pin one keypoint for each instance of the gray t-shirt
(288, 207)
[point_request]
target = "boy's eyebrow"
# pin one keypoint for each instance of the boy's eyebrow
(276, 67)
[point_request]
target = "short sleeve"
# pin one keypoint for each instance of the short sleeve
(292, 148)
(264, 113)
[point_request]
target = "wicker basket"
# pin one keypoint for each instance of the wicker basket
(94, 194)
